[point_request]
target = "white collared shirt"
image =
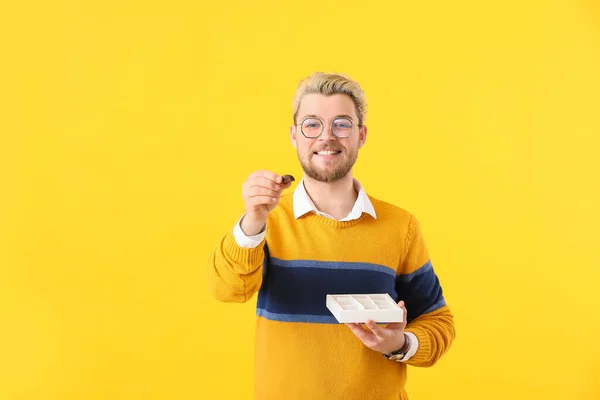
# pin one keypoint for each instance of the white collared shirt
(302, 205)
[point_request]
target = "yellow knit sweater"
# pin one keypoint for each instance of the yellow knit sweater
(302, 352)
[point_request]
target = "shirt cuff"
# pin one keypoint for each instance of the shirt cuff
(414, 345)
(247, 242)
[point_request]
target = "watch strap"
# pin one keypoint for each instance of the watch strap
(399, 355)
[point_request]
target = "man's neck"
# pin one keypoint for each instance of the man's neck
(334, 198)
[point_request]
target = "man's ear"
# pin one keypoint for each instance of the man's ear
(362, 136)
(293, 136)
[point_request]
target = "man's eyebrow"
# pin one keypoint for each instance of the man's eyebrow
(336, 117)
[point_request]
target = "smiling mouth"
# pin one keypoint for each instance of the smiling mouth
(327, 152)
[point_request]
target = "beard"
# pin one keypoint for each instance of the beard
(332, 172)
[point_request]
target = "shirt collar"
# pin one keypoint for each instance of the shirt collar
(303, 204)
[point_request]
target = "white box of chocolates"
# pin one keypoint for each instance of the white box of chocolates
(359, 308)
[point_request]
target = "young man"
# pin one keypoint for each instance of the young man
(329, 237)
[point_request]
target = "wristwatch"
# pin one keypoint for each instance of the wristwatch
(399, 355)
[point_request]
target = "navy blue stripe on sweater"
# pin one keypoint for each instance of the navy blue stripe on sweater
(420, 290)
(295, 291)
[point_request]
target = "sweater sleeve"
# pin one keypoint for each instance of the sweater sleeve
(429, 317)
(234, 272)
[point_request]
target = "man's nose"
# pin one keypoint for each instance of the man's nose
(327, 135)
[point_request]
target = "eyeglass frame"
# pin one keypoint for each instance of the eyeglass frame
(330, 127)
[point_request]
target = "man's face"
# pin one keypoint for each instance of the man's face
(315, 154)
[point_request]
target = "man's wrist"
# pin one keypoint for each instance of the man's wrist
(407, 343)
(252, 227)
(246, 241)
(400, 354)
(414, 345)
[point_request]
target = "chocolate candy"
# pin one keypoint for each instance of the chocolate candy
(287, 179)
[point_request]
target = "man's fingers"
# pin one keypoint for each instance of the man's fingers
(395, 325)
(402, 325)
(272, 176)
(261, 191)
(364, 335)
(286, 185)
(261, 181)
(403, 307)
(377, 330)
(266, 174)
(260, 200)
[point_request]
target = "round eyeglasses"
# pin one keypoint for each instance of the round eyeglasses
(313, 127)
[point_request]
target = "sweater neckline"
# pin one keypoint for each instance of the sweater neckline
(333, 222)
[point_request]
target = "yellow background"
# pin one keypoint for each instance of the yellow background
(127, 129)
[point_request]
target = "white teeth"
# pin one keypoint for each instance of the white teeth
(326, 153)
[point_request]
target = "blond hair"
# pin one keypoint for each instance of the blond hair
(329, 84)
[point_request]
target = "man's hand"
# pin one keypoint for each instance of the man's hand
(261, 192)
(382, 339)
